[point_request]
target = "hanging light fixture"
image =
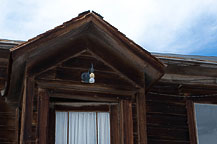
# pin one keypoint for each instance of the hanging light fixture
(88, 77)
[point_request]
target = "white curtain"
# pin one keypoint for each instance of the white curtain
(103, 128)
(61, 127)
(83, 128)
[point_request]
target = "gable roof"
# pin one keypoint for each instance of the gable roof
(87, 31)
(85, 15)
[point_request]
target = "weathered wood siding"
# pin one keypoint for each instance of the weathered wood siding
(166, 115)
(63, 84)
(8, 115)
(167, 121)
(8, 124)
(71, 70)
(4, 65)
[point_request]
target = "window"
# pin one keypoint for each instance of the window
(206, 122)
(82, 127)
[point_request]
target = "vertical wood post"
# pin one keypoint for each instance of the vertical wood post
(43, 113)
(127, 122)
(27, 111)
(121, 120)
(17, 122)
(141, 117)
(191, 122)
(51, 127)
(114, 123)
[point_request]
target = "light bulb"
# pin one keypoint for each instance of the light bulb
(92, 75)
(91, 80)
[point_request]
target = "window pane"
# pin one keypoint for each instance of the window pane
(61, 127)
(206, 120)
(82, 128)
(103, 128)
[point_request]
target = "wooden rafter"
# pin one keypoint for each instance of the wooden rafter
(116, 70)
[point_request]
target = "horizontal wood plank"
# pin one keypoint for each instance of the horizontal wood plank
(4, 53)
(167, 121)
(168, 133)
(85, 62)
(166, 98)
(162, 141)
(100, 77)
(166, 108)
(83, 87)
(91, 96)
(4, 62)
(3, 73)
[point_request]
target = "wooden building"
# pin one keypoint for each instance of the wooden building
(87, 67)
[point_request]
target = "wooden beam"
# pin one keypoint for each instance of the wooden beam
(58, 63)
(17, 124)
(121, 74)
(148, 63)
(121, 122)
(103, 78)
(43, 117)
(86, 97)
(23, 115)
(141, 117)
(115, 126)
(16, 83)
(127, 122)
(189, 79)
(84, 61)
(82, 108)
(52, 53)
(54, 84)
(27, 111)
(129, 44)
(192, 69)
(191, 122)
(52, 126)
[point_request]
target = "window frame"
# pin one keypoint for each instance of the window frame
(191, 122)
(121, 122)
(191, 115)
(84, 107)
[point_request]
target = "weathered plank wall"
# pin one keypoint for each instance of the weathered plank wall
(71, 70)
(4, 64)
(63, 82)
(167, 115)
(8, 115)
(8, 124)
(167, 121)
(135, 123)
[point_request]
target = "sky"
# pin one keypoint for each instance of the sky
(163, 26)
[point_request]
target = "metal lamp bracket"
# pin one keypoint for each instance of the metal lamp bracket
(88, 77)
